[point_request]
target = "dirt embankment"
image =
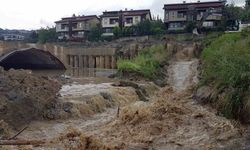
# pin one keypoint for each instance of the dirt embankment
(24, 97)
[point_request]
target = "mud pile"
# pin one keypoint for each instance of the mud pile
(24, 97)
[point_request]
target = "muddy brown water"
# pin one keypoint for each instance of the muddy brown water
(201, 131)
(77, 73)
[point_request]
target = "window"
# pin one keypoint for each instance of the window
(129, 20)
(208, 24)
(74, 25)
(175, 25)
(137, 20)
(181, 14)
(63, 26)
(167, 15)
(80, 33)
(109, 30)
(105, 20)
(113, 21)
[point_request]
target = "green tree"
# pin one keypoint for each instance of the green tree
(143, 28)
(245, 15)
(158, 27)
(190, 26)
(33, 37)
(47, 35)
(117, 32)
(232, 12)
(95, 33)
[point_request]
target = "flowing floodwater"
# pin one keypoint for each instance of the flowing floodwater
(77, 73)
(77, 90)
(83, 92)
(183, 74)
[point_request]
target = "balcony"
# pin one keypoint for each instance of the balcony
(110, 25)
(211, 17)
(59, 29)
(176, 18)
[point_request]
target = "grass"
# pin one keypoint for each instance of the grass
(145, 63)
(226, 64)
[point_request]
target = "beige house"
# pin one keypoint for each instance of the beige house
(177, 16)
(126, 18)
(75, 27)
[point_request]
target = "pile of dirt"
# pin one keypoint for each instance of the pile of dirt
(24, 96)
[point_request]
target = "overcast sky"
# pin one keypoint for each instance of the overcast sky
(34, 14)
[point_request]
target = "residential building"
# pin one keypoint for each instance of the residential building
(247, 4)
(126, 18)
(13, 37)
(177, 16)
(76, 27)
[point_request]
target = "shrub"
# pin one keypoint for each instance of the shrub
(145, 63)
(226, 63)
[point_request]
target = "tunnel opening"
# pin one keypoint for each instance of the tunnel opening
(33, 59)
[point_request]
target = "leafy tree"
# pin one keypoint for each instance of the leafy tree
(95, 33)
(47, 35)
(127, 31)
(190, 26)
(117, 32)
(33, 37)
(143, 28)
(232, 12)
(245, 15)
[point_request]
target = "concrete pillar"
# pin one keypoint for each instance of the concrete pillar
(113, 62)
(107, 62)
(68, 60)
(76, 61)
(102, 62)
(85, 62)
(91, 62)
(71, 61)
(80, 61)
(97, 61)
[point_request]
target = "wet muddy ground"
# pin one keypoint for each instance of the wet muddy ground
(106, 117)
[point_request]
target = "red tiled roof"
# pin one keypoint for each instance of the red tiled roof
(213, 4)
(76, 18)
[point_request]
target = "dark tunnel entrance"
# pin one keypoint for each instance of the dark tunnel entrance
(33, 59)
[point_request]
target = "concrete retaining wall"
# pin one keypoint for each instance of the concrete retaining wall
(71, 57)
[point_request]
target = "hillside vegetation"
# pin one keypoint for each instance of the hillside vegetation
(145, 63)
(226, 66)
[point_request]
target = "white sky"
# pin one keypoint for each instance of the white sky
(34, 14)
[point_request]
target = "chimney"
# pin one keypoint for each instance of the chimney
(198, 1)
(184, 2)
(126, 9)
